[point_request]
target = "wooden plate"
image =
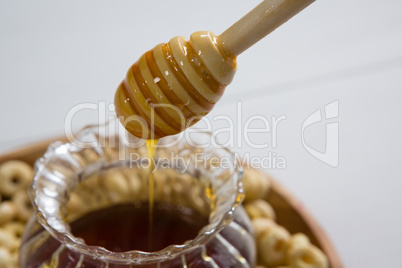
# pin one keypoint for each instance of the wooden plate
(289, 211)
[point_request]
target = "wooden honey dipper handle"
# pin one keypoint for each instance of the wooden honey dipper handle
(174, 85)
(258, 23)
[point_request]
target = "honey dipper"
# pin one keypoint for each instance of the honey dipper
(174, 85)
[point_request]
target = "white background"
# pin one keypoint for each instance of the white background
(56, 54)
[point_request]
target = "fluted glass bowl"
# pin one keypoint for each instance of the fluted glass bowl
(191, 170)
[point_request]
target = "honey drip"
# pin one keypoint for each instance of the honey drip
(151, 150)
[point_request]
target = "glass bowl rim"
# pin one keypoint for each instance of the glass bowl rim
(133, 256)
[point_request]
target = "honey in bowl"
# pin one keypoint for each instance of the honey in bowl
(126, 227)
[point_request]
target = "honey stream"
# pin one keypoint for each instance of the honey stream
(151, 151)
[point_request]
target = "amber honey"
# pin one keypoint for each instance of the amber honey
(127, 227)
(121, 228)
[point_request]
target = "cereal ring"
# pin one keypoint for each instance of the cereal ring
(80, 202)
(92, 182)
(180, 189)
(164, 154)
(14, 259)
(298, 240)
(143, 173)
(142, 151)
(272, 242)
(75, 205)
(5, 258)
(256, 184)
(14, 175)
(198, 199)
(302, 254)
(260, 209)
(8, 241)
(89, 155)
(109, 152)
(272, 246)
(91, 193)
(163, 191)
(134, 182)
(15, 228)
(23, 204)
(260, 225)
(8, 211)
(116, 185)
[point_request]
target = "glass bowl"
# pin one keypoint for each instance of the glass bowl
(104, 167)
